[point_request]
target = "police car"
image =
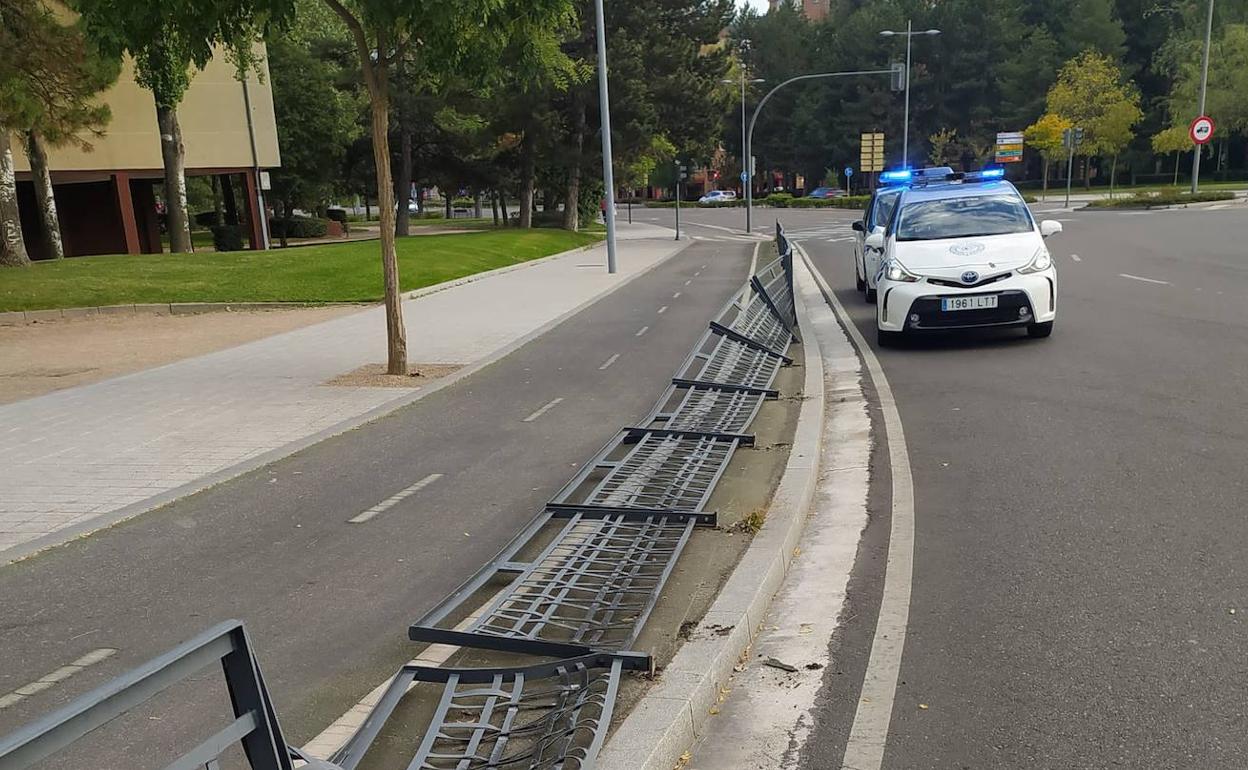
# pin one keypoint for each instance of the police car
(964, 252)
(874, 219)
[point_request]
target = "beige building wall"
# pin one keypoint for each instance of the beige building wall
(213, 118)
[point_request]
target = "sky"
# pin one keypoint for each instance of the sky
(760, 5)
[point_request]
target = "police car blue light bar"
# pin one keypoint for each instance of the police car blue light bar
(992, 173)
(900, 175)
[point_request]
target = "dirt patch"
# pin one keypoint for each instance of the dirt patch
(374, 376)
(43, 357)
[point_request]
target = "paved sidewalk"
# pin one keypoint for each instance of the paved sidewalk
(86, 457)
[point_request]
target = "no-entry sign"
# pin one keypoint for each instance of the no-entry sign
(1201, 130)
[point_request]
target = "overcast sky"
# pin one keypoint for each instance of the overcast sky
(760, 5)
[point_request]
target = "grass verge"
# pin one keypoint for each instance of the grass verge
(1153, 200)
(339, 272)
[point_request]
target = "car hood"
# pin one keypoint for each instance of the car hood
(988, 255)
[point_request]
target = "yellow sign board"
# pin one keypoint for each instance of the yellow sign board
(872, 155)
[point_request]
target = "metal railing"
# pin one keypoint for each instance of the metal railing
(603, 548)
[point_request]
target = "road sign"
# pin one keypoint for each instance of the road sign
(872, 157)
(745, 176)
(1010, 147)
(1201, 130)
(849, 171)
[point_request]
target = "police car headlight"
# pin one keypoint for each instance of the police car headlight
(896, 272)
(1039, 263)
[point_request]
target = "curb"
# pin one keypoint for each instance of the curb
(22, 317)
(669, 718)
(86, 528)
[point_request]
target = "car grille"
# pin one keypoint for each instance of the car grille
(1006, 312)
(960, 285)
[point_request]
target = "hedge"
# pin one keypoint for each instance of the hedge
(298, 227)
(1155, 200)
(227, 237)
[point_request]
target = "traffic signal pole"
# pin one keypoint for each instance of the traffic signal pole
(1204, 85)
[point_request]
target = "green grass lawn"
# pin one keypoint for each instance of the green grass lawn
(340, 272)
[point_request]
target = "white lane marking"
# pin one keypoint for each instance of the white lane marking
(394, 499)
(695, 275)
(642, 331)
(1076, 257)
(703, 267)
(1145, 280)
(663, 310)
(676, 295)
(609, 361)
(543, 410)
(865, 748)
(48, 681)
(688, 281)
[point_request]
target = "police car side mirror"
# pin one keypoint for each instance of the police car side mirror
(1050, 227)
(875, 241)
(858, 226)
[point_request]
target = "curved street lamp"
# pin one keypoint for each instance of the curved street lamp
(909, 35)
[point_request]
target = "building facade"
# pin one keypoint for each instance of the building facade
(107, 196)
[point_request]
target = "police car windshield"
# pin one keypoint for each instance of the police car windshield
(962, 217)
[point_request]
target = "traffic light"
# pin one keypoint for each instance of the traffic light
(899, 76)
(1078, 136)
(684, 172)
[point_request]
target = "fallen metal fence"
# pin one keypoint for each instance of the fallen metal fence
(577, 584)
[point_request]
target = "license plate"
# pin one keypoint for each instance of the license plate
(982, 302)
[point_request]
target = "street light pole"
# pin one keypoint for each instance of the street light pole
(604, 105)
(905, 134)
(1204, 85)
(749, 134)
(747, 177)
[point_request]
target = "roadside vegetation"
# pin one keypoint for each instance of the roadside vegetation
(342, 272)
(1148, 200)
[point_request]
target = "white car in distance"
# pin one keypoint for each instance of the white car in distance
(719, 196)
(964, 254)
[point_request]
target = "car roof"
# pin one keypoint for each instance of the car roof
(947, 190)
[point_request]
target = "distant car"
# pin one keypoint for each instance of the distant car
(824, 193)
(962, 254)
(719, 196)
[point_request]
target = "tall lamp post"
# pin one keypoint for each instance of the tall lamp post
(1204, 86)
(909, 34)
(746, 175)
(604, 104)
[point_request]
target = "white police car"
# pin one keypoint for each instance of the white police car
(875, 218)
(964, 253)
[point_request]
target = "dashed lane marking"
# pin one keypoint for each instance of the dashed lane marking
(56, 677)
(394, 499)
(1076, 257)
(607, 364)
(663, 310)
(543, 410)
(642, 331)
(1143, 279)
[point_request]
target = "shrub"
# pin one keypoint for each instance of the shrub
(844, 202)
(206, 219)
(778, 200)
(463, 203)
(298, 227)
(430, 213)
(227, 237)
(1148, 200)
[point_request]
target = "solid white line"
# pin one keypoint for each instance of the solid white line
(60, 675)
(1076, 257)
(1145, 280)
(609, 361)
(543, 410)
(642, 331)
(865, 748)
(394, 499)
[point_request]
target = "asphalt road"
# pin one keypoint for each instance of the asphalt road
(1080, 592)
(328, 601)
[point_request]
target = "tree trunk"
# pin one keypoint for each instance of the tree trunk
(1087, 173)
(502, 205)
(286, 219)
(173, 153)
(1045, 188)
(217, 208)
(528, 179)
(12, 245)
(231, 201)
(403, 185)
(379, 98)
(1177, 155)
(368, 212)
(494, 205)
(42, 178)
(1113, 173)
(450, 211)
(478, 209)
(572, 202)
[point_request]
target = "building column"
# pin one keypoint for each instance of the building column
(255, 227)
(125, 212)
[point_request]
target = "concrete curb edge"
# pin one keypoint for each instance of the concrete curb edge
(86, 528)
(669, 718)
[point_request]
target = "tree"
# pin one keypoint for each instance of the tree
(942, 142)
(1172, 140)
(48, 79)
(1092, 94)
(1046, 136)
(166, 40)
(439, 37)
